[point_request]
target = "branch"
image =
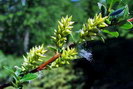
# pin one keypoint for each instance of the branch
(39, 68)
(42, 66)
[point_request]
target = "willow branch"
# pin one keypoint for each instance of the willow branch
(39, 68)
(42, 66)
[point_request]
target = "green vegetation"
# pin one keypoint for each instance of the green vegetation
(10, 61)
(33, 23)
(26, 24)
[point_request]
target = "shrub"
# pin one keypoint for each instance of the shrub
(98, 27)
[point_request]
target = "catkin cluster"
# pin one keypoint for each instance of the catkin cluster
(92, 27)
(33, 58)
(64, 29)
(66, 57)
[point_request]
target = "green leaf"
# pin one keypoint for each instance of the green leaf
(3, 17)
(9, 69)
(117, 12)
(28, 77)
(113, 34)
(127, 25)
(18, 71)
(111, 3)
(52, 48)
(102, 39)
(126, 12)
(103, 9)
(108, 21)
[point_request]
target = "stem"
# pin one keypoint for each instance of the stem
(42, 66)
(110, 6)
(39, 68)
(73, 38)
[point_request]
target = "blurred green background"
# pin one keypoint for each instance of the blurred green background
(26, 23)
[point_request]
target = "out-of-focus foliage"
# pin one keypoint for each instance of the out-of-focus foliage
(25, 24)
(61, 78)
(10, 61)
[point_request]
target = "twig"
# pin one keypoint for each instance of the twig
(41, 67)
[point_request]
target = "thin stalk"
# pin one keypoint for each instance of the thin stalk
(42, 66)
(39, 68)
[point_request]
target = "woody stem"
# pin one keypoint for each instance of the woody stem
(42, 66)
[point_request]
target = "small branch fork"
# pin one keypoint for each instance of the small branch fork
(39, 68)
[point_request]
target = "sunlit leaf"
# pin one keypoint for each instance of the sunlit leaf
(113, 34)
(28, 77)
(127, 25)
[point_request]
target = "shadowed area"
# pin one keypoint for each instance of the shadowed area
(111, 67)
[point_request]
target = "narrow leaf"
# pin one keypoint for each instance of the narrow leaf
(127, 25)
(28, 77)
(113, 34)
(126, 12)
(9, 69)
(103, 9)
(117, 12)
(52, 48)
